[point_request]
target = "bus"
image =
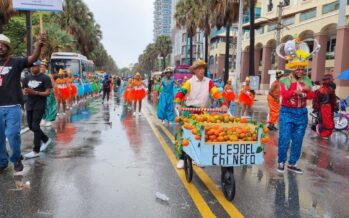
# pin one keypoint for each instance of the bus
(182, 71)
(79, 65)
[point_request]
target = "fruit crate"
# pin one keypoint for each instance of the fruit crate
(226, 154)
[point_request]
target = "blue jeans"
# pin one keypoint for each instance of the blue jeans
(292, 125)
(10, 128)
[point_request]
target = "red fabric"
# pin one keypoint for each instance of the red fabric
(289, 99)
(74, 90)
(326, 116)
(228, 95)
(210, 85)
(138, 95)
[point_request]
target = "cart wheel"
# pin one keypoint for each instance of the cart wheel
(228, 183)
(188, 168)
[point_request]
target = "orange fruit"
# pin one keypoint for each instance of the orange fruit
(194, 131)
(220, 139)
(178, 119)
(266, 130)
(185, 142)
(186, 120)
(243, 120)
(265, 140)
(197, 137)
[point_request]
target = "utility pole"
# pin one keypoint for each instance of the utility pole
(252, 38)
(279, 27)
(239, 46)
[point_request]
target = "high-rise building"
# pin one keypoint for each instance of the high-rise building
(162, 18)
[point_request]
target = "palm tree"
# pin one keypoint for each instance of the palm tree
(204, 23)
(164, 46)
(6, 12)
(187, 13)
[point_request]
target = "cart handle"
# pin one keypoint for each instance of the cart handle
(219, 110)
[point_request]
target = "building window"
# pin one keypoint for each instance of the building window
(286, 3)
(308, 14)
(288, 21)
(330, 7)
(271, 27)
(270, 6)
(260, 30)
(331, 46)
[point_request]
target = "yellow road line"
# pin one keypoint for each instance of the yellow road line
(218, 194)
(199, 201)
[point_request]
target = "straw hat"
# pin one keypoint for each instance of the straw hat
(168, 70)
(247, 79)
(197, 64)
(44, 62)
(5, 40)
(61, 72)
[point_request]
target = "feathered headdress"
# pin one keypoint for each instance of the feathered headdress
(297, 52)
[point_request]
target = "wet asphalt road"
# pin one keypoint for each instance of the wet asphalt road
(106, 163)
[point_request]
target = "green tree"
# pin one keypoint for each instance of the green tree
(6, 11)
(16, 31)
(163, 45)
(204, 23)
(187, 15)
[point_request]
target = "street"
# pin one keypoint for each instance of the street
(104, 162)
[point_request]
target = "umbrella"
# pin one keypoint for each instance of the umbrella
(344, 75)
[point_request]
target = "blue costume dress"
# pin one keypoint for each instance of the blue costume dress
(166, 105)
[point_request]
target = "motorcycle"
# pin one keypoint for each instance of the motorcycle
(341, 120)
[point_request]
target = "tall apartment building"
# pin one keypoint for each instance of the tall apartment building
(162, 18)
(180, 42)
(308, 19)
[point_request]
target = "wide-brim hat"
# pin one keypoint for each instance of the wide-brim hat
(5, 40)
(168, 70)
(197, 64)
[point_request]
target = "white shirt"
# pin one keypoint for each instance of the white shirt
(199, 92)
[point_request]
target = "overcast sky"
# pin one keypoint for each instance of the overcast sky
(127, 27)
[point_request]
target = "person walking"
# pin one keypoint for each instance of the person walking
(37, 87)
(295, 91)
(51, 104)
(324, 105)
(197, 91)
(106, 88)
(166, 105)
(274, 102)
(246, 97)
(11, 99)
(138, 93)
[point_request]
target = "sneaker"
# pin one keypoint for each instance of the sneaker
(281, 167)
(139, 113)
(57, 114)
(294, 169)
(31, 155)
(18, 166)
(48, 124)
(180, 164)
(45, 144)
(134, 114)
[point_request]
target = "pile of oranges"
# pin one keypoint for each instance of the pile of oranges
(218, 118)
(217, 133)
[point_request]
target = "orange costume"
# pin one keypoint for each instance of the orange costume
(228, 93)
(128, 91)
(72, 87)
(246, 97)
(138, 90)
(62, 91)
(274, 103)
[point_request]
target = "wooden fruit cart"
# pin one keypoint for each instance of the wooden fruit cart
(227, 155)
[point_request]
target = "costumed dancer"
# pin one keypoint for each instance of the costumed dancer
(198, 90)
(62, 92)
(274, 102)
(246, 97)
(166, 105)
(228, 93)
(295, 90)
(138, 93)
(128, 93)
(87, 87)
(79, 84)
(51, 103)
(92, 85)
(324, 105)
(72, 87)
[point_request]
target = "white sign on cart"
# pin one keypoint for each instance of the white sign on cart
(38, 5)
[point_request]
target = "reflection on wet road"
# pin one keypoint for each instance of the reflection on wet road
(106, 163)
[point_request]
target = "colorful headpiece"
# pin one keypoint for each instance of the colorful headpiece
(297, 52)
(197, 64)
(61, 72)
(168, 70)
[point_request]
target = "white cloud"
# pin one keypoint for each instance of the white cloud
(127, 27)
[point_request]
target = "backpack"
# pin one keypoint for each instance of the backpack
(106, 84)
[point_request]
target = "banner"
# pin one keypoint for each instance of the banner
(38, 5)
